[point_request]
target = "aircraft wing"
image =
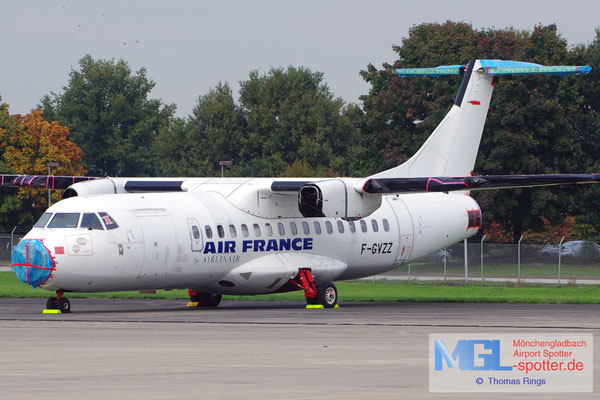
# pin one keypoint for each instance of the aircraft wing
(447, 184)
(42, 181)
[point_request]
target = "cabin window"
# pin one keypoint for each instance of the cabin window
(245, 232)
(317, 226)
(232, 231)
(329, 227)
(340, 225)
(221, 231)
(305, 228)
(195, 232)
(352, 226)
(293, 228)
(108, 221)
(474, 219)
(41, 223)
(64, 220)
(269, 229)
(374, 225)
(208, 231)
(91, 221)
(363, 225)
(281, 229)
(256, 230)
(386, 225)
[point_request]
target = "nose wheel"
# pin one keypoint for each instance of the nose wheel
(59, 303)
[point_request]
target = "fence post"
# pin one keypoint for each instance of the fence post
(481, 258)
(12, 244)
(466, 264)
(409, 273)
(445, 262)
(559, 258)
(519, 260)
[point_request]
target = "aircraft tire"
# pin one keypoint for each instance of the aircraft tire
(51, 303)
(64, 305)
(327, 295)
(209, 299)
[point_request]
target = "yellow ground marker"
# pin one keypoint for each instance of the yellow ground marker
(48, 311)
(192, 304)
(315, 306)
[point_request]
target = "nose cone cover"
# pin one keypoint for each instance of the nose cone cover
(32, 262)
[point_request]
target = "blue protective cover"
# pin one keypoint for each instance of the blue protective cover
(498, 67)
(32, 262)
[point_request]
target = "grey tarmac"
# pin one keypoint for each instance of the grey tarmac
(158, 349)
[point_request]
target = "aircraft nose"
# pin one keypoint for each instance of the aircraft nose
(32, 262)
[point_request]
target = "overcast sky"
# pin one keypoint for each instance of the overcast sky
(189, 46)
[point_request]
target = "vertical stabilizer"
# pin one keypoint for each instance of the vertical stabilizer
(452, 147)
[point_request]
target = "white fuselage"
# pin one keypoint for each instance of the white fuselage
(202, 241)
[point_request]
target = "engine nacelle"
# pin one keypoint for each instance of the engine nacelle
(336, 198)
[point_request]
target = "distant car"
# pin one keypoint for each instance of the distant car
(549, 250)
(440, 256)
(575, 248)
(569, 249)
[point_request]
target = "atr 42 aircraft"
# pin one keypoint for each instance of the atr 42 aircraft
(216, 236)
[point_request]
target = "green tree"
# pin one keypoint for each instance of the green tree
(287, 122)
(107, 109)
(531, 127)
(292, 115)
(193, 147)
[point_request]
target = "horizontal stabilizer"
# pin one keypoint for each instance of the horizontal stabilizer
(497, 68)
(42, 181)
(445, 184)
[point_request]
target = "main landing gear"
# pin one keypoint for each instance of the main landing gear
(59, 303)
(198, 299)
(324, 294)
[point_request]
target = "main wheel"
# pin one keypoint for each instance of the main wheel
(51, 303)
(209, 299)
(64, 305)
(327, 295)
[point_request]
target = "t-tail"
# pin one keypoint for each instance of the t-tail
(452, 148)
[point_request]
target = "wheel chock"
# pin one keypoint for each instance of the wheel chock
(315, 306)
(192, 304)
(51, 311)
(337, 306)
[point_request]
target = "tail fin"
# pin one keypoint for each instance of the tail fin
(452, 148)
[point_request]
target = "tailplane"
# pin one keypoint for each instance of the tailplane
(452, 148)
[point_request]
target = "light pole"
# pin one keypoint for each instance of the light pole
(51, 165)
(222, 163)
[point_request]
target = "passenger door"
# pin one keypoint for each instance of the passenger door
(195, 234)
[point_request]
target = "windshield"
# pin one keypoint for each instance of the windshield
(64, 220)
(43, 220)
(91, 221)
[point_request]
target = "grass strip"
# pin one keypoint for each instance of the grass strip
(396, 291)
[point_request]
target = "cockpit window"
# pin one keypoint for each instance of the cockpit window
(43, 220)
(90, 221)
(108, 221)
(64, 220)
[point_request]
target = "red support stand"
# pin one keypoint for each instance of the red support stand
(305, 281)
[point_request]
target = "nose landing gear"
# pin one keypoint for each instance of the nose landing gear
(59, 303)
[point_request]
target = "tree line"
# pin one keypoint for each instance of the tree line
(287, 122)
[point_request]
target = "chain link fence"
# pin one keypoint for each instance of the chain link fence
(9, 237)
(568, 263)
